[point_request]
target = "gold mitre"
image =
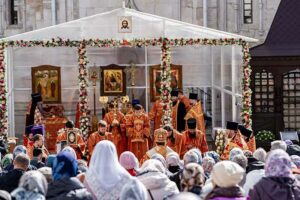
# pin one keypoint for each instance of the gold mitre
(160, 135)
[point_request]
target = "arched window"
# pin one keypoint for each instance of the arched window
(264, 92)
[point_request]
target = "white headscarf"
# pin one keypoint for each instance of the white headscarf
(105, 170)
(134, 190)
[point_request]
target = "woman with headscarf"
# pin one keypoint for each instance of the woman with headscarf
(192, 178)
(260, 154)
(213, 155)
(208, 164)
(32, 186)
(235, 151)
(71, 150)
(6, 161)
(65, 185)
(153, 176)
(198, 153)
(173, 162)
(105, 177)
(134, 190)
(129, 162)
(226, 175)
(279, 183)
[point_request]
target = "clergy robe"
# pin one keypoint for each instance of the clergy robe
(30, 152)
(237, 141)
(94, 138)
(197, 113)
(118, 132)
(156, 113)
(175, 141)
(79, 147)
(138, 130)
(251, 144)
(198, 142)
(162, 150)
(178, 114)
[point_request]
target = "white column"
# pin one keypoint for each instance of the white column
(205, 13)
(222, 89)
(10, 89)
(233, 83)
(261, 18)
(213, 99)
(146, 79)
(53, 10)
(236, 15)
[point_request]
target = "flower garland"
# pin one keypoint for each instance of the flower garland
(220, 140)
(165, 45)
(83, 101)
(3, 96)
(165, 90)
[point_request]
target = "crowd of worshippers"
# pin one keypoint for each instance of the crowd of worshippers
(260, 175)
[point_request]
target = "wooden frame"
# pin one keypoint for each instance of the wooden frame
(49, 87)
(155, 71)
(117, 87)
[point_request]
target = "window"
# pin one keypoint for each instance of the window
(248, 14)
(291, 100)
(13, 12)
(264, 92)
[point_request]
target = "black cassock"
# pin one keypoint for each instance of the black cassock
(181, 112)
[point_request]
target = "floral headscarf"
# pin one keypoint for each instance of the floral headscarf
(192, 178)
(7, 160)
(296, 160)
(213, 155)
(279, 164)
(208, 164)
(32, 186)
(199, 154)
(235, 151)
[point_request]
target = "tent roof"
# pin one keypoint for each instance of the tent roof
(283, 37)
(144, 25)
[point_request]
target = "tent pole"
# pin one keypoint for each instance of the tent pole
(213, 99)
(146, 79)
(223, 110)
(233, 83)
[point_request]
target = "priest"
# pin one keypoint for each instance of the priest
(248, 136)
(174, 139)
(98, 136)
(138, 130)
(178, 112)
(196, 112)
(234, 139)
(115, 125)
(73, 138)
(160, 140)
(193, 138)
(156, 113)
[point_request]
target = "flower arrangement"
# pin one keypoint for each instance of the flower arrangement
(220, 140)
(265, 136)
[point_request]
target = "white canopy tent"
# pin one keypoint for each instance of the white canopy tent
(214, 69)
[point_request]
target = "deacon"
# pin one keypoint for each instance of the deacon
(98, 136)
(73, 138)
(115, 125)
(160, 139)
(184, 100)
(138, 129)
(178, 112)
(234, 139)
(174, 139)
(196, 112)
(193, 138)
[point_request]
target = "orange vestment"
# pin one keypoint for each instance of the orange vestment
(189, 143)
(118, 131)
(237, 141)
(156, 113)
(138, 130)
(94, 138)
(175, 144)
(79, 147)
(30, 152)
(197, 113)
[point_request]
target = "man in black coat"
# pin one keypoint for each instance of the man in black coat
(10, 180)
